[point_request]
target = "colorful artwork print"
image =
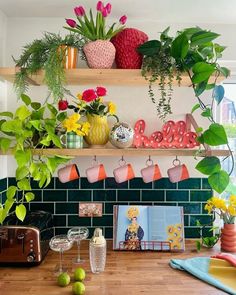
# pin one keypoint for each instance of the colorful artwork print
(90, 209)
(175, 238)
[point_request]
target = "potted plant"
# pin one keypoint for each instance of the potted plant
(99, 51)
(52, 54)
(27, 129)
(92, 106)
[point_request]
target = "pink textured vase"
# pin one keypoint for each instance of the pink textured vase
(100, 54)
(228, 238)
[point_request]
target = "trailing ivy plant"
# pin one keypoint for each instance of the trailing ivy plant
(46, 54)
(23, 131)
(193, 52)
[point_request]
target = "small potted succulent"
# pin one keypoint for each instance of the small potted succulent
(99, 51)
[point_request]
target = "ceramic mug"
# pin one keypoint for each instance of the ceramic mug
(151, 172)
(96, 173)
(71, 140)
(177, 173)
(68, 173)
(124, 172)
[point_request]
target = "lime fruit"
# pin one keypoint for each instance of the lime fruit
(79, 274)
(78, 288)
(63, 279)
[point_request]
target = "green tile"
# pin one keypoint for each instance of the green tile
(3, 184)
(152, 195)
(49, 207)
(61, 230)
(68, 185)
(139, 183)
(186, 220)
(205, 184)
(11, 181)
(200, 196)
(165, 204)
(206, 232)
(191, 208)
(105, 220)
(140, 204)
(204, 219)
(55, 195)
(164, 183)
(79, 195)
(75, 220)
(191, 183)
(111, 183)
(109, 232)
(3, 197)
(104, 195)
(59, 220)
(191, 233)
(129, 195)
(109, 207)
(177, 196)
(84, 184)
(67, 208)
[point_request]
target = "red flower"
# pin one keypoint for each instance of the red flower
(79, 11)
(108, 8)
(100, 6)
(101, 91)
(62, 105)
(71, 22)
(89, 95)
(123, 19)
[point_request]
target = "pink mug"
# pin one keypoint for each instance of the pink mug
(151, 172)
(124, 172)
(178, 172)
(68, 173)
(96, 173)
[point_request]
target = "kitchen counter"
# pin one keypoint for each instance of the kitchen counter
(128, 273)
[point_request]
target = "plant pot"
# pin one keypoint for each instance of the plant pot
(70, 56)
(126, 43)
(100, 54)
(71, 140)
(228, 238)
(99, 131)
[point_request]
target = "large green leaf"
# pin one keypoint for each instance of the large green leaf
(22, 113)
(6, 114)
(21, 172)
(202, 71)
(215, 135)
(224, 71)
(52, 109)
(36, 124)
(22, 157)
(11, 192)
(20, 212)
(26, 99)
(180, 46)
(29, 196)
(24, 184)
(209, 165)
(219, 181)
(150, 48)
(203, 37)
(14, 126)
(4, 144)
(36, 105)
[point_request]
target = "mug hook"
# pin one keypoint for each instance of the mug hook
(149, 161)
(176, 161)
(94, 161)
(122, 161)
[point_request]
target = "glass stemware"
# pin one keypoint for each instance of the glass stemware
(60, 243)
(77, 234)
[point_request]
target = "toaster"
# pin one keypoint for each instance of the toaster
(26, 242)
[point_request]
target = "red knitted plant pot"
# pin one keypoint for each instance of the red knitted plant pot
(126, 43)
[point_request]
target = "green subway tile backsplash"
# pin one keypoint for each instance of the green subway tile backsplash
(62, 199)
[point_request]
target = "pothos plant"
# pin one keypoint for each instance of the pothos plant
(193, 52)
(23, 131)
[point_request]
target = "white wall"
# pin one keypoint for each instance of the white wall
(133, 102)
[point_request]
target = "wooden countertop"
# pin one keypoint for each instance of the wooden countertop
(126, 273)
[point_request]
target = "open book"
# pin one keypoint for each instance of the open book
(148, 228)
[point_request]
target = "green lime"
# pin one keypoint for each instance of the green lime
(78, 288)
(79, 274)
(63, 279)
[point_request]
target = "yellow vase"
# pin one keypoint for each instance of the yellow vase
(99, 130)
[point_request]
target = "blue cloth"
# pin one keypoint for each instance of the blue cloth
(199, 268)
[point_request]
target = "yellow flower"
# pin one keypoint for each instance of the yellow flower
(85, 128)
(208, 207)
(79, 96)
(70, 125)
(232, 200)
(218, 203)
(111, 108)
(75, 117)
(232, 210)
(79, 132)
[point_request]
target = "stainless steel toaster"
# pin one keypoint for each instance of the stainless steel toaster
(26, 242)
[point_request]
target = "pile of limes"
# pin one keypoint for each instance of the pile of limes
(78, 287)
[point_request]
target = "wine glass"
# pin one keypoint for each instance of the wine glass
(77, 234)
(60, 243)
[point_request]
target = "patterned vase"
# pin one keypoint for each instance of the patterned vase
(228, 238)
(71, 57)
(126, 43)
(99, 131)
(100, 54)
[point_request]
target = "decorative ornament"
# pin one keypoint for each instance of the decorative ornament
(121, 135)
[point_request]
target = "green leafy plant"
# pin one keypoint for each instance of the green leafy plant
(194, 53)
(207, 241)
(46, 54)
(22, 132)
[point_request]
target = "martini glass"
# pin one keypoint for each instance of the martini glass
(77, 234)
(60, 243)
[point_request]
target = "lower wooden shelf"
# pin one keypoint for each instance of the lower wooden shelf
(112, 152)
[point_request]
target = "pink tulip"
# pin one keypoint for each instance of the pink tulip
(71, 22)
(79, 11)
(104, 12)
(108, 8)
(100, 6)
(123, 19)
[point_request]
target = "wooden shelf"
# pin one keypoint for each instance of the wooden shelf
(113, 152)
(95, 76)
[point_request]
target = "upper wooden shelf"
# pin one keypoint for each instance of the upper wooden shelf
(95, 76)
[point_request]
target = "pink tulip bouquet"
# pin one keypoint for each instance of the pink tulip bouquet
(95, 28)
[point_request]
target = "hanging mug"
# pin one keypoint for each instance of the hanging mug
(177, 173)
(151, 172)
(124, 172)
(71, 140)
(96, 172)
(68, 173)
